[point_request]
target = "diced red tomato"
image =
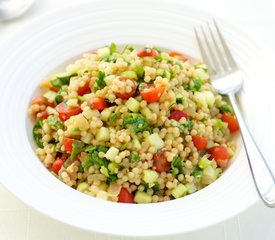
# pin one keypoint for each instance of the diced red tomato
(177, 114)
(232, 122)
(151, 94)
(199, 142)
(219, 154)
(97, 103)
(125, 196)
(68, 144)
(40, 100)
(65, 111)
(147, 52)
(57, 164)
(161, 163)
(178, 55)
(43, 115)
(126, 95)
(84, 89)
(53, 89)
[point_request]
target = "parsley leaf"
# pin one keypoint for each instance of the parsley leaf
(112, 48)
(100, 82)
(93, 159)
(226, 108)
(176, 166)
(37, 133)
(54, 123)
(137, 122)
(58, 82)
(134, 157)
(77, 147)
(197, 85)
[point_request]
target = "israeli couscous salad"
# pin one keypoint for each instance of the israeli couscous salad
(133, 126)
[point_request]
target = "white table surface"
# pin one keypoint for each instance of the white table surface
(18, 221)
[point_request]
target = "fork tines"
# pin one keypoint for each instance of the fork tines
(214, 49)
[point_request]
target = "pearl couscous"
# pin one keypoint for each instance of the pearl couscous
(133, 126)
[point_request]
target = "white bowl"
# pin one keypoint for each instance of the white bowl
(51, 41)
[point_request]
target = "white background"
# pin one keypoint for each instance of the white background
(18, 221)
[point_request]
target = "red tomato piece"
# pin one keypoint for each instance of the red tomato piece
(125, 196)
(147, 52)
(97, 103)
(177, 114)
(65, 111)
(151, 94)
(126, 95)
(84, 89)
(40, 100)
(232, 122)
(43, 115)
(57, 164)
(220, 154)
(178, 55)
(199, 142)
(161, 163)
(68, 144)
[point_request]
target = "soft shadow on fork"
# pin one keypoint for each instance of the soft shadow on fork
(227, 80)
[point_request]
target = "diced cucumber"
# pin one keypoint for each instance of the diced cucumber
(205, 98)
(103, 52)
(168, 75)
(102, 195)
(204, 162)
(202, 74)
(82, 187)
(142, 197)
(179, 191)
(113, 167)
(86, 97)
(180, 98)
(146, 112)
(111, 153)
(209, 175)
(136, 144)
(191, 188)
(161, 72)
(109, 79)
(104, 171)
(139, 70)
(50, 95)
(106, 113)
(72, 131)
(129, 74)
(150, 176)
(72, 102)
(132, 104)
(72, 69)
(103, 134)
(156, 141)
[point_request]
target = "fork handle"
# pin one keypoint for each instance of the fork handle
(262, 175)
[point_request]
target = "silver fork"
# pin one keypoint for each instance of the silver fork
(227, 80)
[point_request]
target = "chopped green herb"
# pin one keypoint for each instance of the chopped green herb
(54, 123)
(134, 157)
(93, 159)
(37, 133)
(226, 108)
(127, 47)
(100, 82)
(155, 188)
(58, 98)
(58, 82)
(112, 48)
(137, 122)
(113, 118)
(77, 147)
(169, 61)
(124, 146)
(186, 127)
(176, 166)
(196, 84)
